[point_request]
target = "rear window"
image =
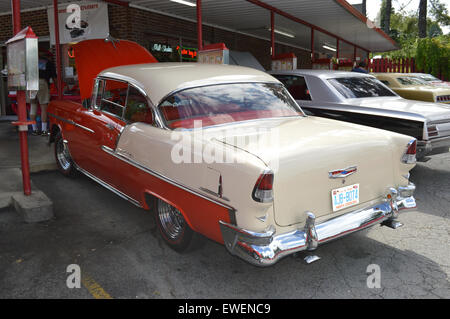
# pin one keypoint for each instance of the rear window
(296, 85)
(408, 80)
(225, 103)
(359, 87)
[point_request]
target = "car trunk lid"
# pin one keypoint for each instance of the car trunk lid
(302, 165)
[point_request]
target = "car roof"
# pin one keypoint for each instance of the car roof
(160, 79)
(327, 74)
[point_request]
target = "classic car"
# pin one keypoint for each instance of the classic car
(225, 152)
(414, 88)
(362, 99)
(430, 79)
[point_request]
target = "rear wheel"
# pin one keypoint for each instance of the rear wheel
(173, 227)
(62, 157)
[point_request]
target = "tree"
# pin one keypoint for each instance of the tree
(439, 12)
(385, 15)
(423, 19)
(364, 8)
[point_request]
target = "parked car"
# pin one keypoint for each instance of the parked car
(430, 79)
(224, 151)
(414, 88)
(362, 99)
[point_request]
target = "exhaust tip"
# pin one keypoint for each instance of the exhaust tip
(311, 258)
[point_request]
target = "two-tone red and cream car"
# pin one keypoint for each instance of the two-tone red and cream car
(225, 151)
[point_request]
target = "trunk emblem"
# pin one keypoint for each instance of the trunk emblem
(341, 173)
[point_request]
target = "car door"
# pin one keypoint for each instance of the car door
(106, 120)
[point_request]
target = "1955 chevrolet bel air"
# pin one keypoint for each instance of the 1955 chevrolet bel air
(226, 152)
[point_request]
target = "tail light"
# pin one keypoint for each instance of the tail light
(410, 154)
(432, 131)
(263, 190)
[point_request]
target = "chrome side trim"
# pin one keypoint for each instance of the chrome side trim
(162, 177)
(71, 122)
(108, 186)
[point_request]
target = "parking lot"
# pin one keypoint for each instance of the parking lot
(121, 255)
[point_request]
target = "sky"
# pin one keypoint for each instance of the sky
(373, 7)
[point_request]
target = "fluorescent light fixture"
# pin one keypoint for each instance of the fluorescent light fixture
(185, 3)
(283, 33)
(329, 48)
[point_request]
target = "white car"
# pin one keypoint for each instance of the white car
(362, 99)
(226, 152)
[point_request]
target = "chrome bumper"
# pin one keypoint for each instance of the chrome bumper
(432, 147)
(265, 249)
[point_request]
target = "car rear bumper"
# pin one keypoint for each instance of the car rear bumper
(266, 248)
(432, 147)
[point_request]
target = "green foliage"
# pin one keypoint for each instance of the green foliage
(433, 55)
(439, 12)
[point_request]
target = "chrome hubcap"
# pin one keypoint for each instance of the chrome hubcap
(62, 153)
(171, 219)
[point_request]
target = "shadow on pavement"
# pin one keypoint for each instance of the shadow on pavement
(117, 244)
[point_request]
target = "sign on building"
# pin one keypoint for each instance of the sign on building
(284, 62)
(79, 21)
(216, 53)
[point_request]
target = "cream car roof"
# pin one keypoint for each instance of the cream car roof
(160, 79)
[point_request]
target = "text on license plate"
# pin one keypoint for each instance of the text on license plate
(345, 197)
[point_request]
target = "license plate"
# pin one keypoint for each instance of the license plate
(345, 197)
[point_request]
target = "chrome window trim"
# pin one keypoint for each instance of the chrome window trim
(71, 122)
(149, 105)
(213, 84)
(98, 108)
(240, 122)
(94, 105)
(130, 81)
(224, 83)
(162, 177)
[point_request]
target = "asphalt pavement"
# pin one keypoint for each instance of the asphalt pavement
(120, 254)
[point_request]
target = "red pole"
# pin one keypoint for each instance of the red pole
(58, 49)
(272, 32)
(312, 45)
(354, 53)
(199, 25)
(22, 113)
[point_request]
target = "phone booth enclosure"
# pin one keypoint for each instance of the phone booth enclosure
(22, 60)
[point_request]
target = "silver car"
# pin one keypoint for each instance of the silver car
(362, 99)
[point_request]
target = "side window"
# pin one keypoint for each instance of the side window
(137, 108)
(114, 97)
(385, 82)
(296, 85)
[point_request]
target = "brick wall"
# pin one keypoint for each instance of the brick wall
(36, 19)
(143, 27)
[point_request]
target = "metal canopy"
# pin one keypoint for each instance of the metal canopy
(336, 17)
(331, 19)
